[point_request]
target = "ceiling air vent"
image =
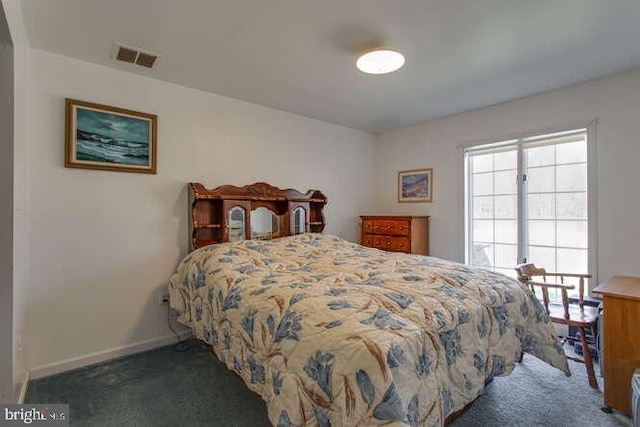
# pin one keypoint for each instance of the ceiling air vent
(134, 55)
(146, 59)
(126, 55)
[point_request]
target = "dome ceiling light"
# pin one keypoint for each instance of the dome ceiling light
(380, 61)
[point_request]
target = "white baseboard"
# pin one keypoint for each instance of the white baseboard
(101, 356)
(23, 387)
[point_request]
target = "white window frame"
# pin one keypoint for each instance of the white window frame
(592, 204)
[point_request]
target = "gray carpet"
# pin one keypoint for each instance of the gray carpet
(164, 387)
(535, 394)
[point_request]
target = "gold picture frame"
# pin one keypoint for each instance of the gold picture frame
(415, 186)
(109, 138)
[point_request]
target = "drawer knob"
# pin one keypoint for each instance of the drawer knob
(389, 227)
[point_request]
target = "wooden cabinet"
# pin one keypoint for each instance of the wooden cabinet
(409, 234)
(621, 339)
(256, 211)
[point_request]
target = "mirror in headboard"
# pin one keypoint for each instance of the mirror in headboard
(299, 220)
(256, 211)
(265, 224)
(236, 223)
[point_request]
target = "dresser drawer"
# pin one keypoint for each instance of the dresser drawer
(367, 226)
(388, 243)
(408, 234)
(391, 227)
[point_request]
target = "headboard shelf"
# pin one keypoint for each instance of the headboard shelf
(225, 213)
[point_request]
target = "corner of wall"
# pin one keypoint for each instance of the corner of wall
(15, 22)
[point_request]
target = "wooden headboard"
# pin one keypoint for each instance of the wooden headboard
(224, 213)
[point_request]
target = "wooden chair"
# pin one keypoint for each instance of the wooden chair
(578, 316)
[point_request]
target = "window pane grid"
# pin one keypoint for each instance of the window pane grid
(554, 221)
(557, 208)
(493, 209)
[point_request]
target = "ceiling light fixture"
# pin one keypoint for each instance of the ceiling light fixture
(380, 61)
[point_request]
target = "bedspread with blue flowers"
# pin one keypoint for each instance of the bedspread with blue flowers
(329, 332)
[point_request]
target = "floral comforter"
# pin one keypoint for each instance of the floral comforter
(332, 333)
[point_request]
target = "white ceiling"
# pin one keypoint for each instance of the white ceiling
(299, 55)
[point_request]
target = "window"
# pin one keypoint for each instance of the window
(527, 200)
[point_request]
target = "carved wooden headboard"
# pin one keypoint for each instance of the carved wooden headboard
(224, 213)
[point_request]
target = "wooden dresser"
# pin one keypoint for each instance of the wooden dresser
(621, 339)
(409, 234)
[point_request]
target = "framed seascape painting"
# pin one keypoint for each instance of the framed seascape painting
(415, 185)
(109, 138)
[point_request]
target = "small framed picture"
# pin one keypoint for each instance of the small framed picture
(109, 138)
(415, 185)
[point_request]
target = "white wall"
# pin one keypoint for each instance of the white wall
(103, 243)
(6, 211)
(615, 101)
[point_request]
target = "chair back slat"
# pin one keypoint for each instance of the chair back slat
(581, 293)
(565, 303)
(545, 298)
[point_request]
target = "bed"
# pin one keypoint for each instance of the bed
(329, 332)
